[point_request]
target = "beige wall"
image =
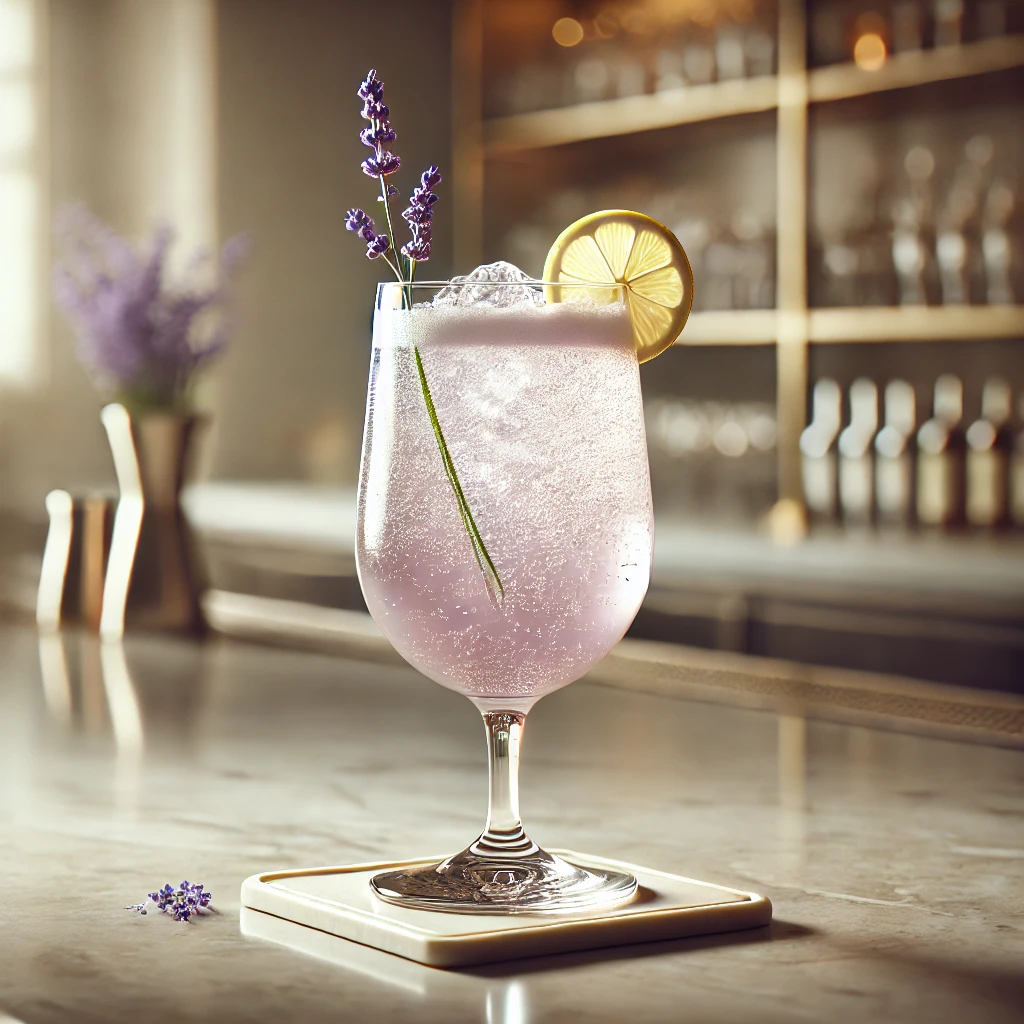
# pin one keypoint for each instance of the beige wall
(291, 392)
(230, 115)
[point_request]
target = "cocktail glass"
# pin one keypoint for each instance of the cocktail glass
(504, 535)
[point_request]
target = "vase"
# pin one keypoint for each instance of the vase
(154, 578)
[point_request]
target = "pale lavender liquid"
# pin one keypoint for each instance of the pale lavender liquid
(542, 414)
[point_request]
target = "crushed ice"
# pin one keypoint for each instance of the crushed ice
(496, 285)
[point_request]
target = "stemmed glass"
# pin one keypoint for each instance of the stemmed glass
(504, 535)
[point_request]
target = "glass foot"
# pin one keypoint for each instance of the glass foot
(473, 882)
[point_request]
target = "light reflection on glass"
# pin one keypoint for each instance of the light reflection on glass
(127, 521)
(126, 719)
(792, 768)
(53, 669)
(55, 561)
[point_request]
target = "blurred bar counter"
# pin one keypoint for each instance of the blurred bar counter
(947, 610)
(939, 609)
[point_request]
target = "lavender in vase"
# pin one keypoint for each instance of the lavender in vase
(143, 337)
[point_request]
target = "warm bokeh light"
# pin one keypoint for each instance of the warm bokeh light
(567, 32)
(869, 51)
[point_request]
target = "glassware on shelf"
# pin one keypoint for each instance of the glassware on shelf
(615, 51)
(711, 460)
(991, 19)
(941, 456)
(894, 456)
(948, 18)
(819, 451)
(856, 455)
(759, 51)
(907, 26)
(909, 255)
(997, 246)
(730, 54)
(504, 537)
(990, 445)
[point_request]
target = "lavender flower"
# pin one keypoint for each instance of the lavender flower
(142, 340)
(377, 246)
(180, 903)
(420, 214)
(380, 134)
(358, 221)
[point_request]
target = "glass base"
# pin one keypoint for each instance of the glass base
(472, 882)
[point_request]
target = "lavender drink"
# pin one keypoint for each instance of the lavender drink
(504, 530)
(540, 406)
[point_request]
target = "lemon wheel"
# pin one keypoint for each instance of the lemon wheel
(621, 247)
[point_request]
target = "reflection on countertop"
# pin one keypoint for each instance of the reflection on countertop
(894, 861)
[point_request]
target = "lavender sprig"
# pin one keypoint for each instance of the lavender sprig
(419, 215)
(180, 903)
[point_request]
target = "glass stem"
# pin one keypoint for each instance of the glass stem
(504, 835)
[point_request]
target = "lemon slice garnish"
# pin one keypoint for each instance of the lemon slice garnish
(626, 248)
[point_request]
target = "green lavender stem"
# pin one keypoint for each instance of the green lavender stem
(483, 559)
(494, 588)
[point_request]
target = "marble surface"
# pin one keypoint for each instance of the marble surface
(894, 862)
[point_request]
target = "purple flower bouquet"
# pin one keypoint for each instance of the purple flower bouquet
(142, 338)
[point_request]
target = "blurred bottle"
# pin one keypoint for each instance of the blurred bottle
(997, 246)
(856, 455)
(949, 22)
(990, 444)
(668, 70)
(819, 452)
(991, 21)
(894, 456)
(730, 57)
(951, 253)
(759, 51)
(941, 449)
(907, 26)
(699, 57)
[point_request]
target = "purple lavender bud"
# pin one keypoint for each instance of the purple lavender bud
(381, 165)
(417, 214)
(375, 111)
(370, 87)
(431, 177)
(358, 221)
(379, 246)
(419, 248)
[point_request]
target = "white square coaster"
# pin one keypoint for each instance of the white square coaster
(339, 901)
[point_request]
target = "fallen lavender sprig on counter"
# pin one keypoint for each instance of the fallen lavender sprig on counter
(180, 903)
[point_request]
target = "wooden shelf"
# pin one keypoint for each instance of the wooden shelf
(860, 324)
(630, 115)
(925, 323)
(903, 70)
(611, 118)
(789, 96)
(730, 327)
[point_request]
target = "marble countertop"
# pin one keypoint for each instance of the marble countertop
(894, 862)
